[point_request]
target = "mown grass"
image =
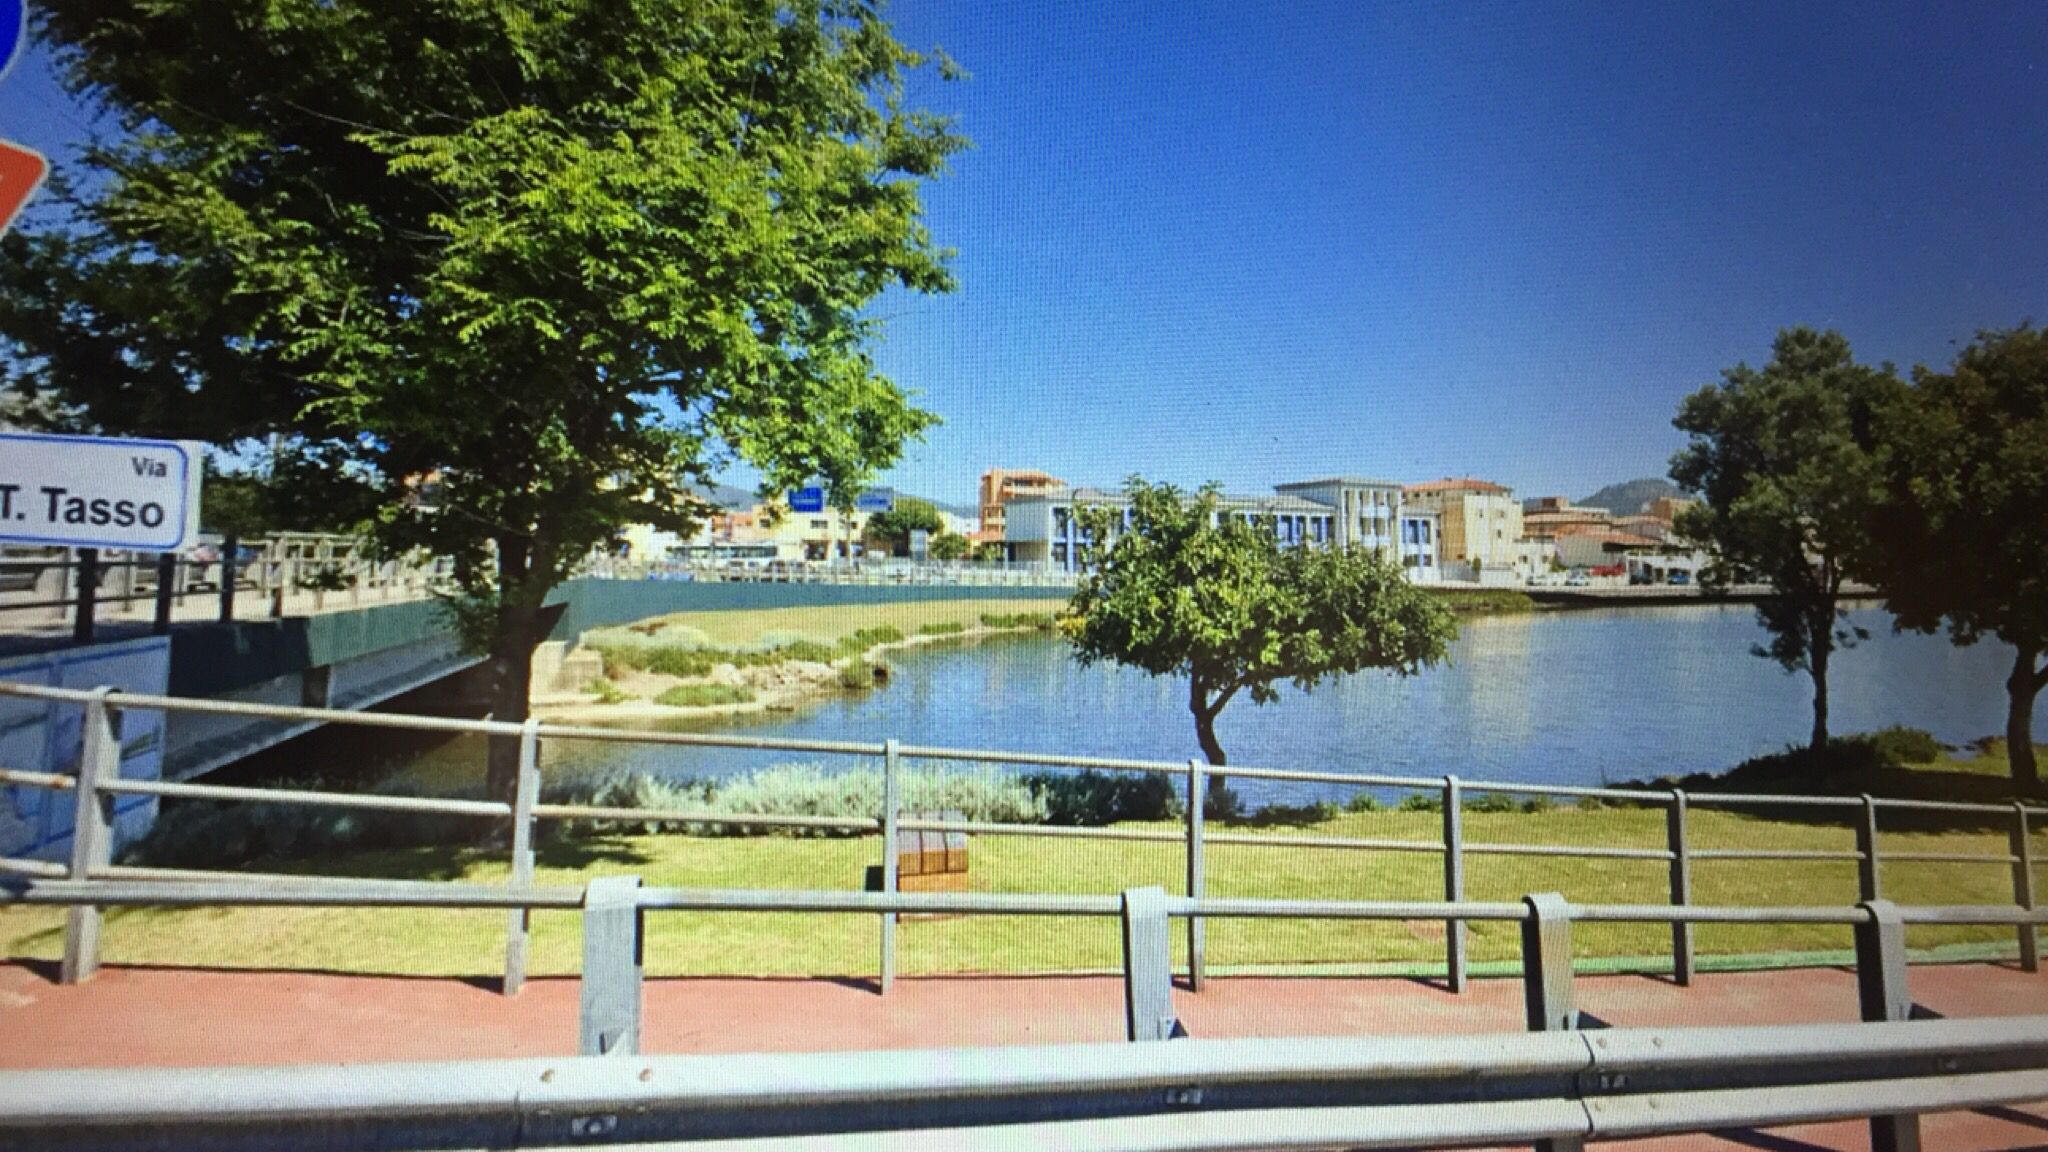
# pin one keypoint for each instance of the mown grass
(1484, 601)
(443, 943)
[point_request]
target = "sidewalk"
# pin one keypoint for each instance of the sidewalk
(182, 1017)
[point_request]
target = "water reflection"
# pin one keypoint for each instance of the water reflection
(1571, 698)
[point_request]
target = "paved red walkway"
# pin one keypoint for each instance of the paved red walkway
(174, 1017)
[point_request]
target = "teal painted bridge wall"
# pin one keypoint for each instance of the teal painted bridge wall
(601, 603)
(209, 659)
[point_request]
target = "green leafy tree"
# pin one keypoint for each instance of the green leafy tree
(1959, 535)
(1186, 590)
(554, 263)
(892, 529)
(951, 546)
(1783, 462)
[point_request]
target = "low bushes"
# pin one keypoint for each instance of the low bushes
(703, 695)
(1037, 621)
(1089, 797)
(807, 790)
(690, 660)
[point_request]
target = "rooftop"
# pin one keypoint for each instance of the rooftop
(1337, 481)
(1466, 484)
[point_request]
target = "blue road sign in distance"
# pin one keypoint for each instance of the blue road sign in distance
(13, 31)
(876, 500)
(810, 499)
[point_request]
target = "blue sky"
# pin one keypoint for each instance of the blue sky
(1253, 243)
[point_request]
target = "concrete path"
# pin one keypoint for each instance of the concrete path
(180, 1017)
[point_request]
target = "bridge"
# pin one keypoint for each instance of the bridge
(304, 621)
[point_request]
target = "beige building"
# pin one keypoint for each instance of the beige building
(999, 486)
(1481, 521)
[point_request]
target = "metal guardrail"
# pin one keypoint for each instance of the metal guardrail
(1556, 1087)
(1391, 1092)
(282, 573)
(98, 779)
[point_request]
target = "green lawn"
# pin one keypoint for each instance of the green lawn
(471, 943)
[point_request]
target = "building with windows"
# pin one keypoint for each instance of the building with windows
(1481, 525)
(1340, 513)
(999, 486)
(1548, 517)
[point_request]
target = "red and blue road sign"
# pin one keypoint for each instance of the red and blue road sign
(21, 169)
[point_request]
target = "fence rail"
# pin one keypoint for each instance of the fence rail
(234, 579)
(98, 779)
(1552, 1087)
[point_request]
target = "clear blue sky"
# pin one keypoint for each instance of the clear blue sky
(1254, 243)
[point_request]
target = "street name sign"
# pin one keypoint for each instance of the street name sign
(810, 499)
(876, 500)
(99, 492)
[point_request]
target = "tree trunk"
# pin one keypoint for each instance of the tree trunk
(1817, 664)
(2021, 688)
(1218, 792)
(511, 663)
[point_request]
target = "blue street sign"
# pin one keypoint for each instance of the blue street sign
(13, 31)
(810, 499)
(876, 500)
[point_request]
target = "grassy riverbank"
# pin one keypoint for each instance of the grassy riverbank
(773, 659)
(471, 943)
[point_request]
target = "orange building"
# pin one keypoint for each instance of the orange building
(999, 486)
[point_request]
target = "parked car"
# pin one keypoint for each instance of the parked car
(1576, 580)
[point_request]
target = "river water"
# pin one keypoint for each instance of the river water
(1581, 697)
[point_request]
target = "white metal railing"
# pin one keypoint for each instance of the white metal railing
(1553, 1087)
(98, 779)
(223, 578)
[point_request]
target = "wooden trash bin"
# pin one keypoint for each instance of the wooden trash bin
(927, 861)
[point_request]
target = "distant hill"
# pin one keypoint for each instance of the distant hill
(729, 497)
(1630, 497)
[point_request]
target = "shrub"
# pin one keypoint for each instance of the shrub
(1038, 621)
(703, 695)
(610, 693)
(1362, 802)
(1535, 804)
(1487, 802)
(1422, 802)
(1902, 745)
(1089, 797)
(861, 674)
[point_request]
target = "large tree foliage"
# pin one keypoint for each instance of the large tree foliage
(1959, 534)
(551, 261)
(1783, 461)
(892, 528)
(1183, 589)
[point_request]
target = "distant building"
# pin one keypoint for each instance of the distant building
(1547, 517)
(1343, 512)
(1482, 522)
(1667, 508)
(999, 486)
